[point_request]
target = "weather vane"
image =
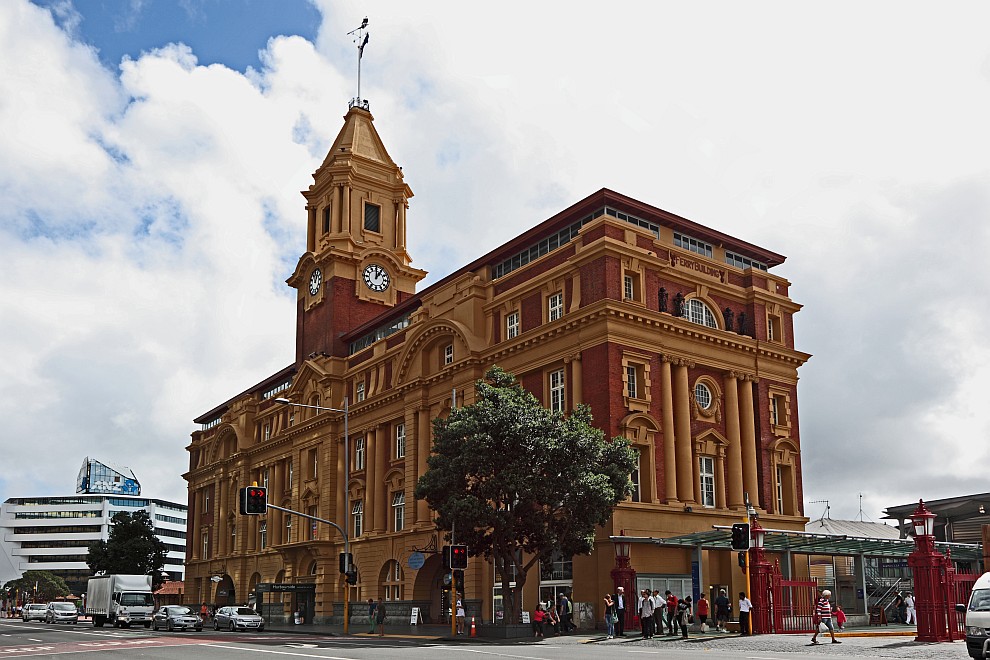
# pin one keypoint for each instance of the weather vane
(360, 35)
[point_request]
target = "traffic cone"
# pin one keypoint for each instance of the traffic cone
(474, 630)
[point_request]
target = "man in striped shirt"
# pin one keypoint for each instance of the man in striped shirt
(823, 614)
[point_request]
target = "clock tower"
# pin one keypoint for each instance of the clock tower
(356, 265)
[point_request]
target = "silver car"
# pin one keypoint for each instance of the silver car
(176, 617)
(61, 613)
(34, 612)
(237, 618)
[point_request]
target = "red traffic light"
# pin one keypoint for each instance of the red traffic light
(458, 557)
(254, 500)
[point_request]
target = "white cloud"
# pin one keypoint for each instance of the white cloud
(150, 215)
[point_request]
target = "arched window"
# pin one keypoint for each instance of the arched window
(697, 311)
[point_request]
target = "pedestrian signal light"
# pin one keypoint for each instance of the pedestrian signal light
(346, 561)
(254, 500)
(351, 575)
(458, 557)
(740, 536)
(458, 581)
(742, 560)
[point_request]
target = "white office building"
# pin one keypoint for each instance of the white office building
(53, 533)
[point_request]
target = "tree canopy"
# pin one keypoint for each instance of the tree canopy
(131, 549)
(520, 483)
(49, 586)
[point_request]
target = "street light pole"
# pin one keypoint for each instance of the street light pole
(347, 479)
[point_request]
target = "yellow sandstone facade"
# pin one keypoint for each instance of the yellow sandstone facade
(676, 335)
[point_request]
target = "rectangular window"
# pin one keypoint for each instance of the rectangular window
(263, 534)
(288, 475)
(264, 477)
(634, 477)
(292, 417)
(267, 434)
(314, 463)
(628, 288)
(774, 332)
(778, 409)
(780, 490)
(313, 529)
(557, 393)
(372, 217)
(512, 325)
(206, 544)
(206, 502)
(555, 306)
(288, 528)
(359, 454)
(692, 244)
(326, 220)
(398, 511)
(359, 392)
(448, 354)
(631, 382)
(357, 516)
(233, 539)
(707, 468)
(400, 440)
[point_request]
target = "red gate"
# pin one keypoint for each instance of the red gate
(792, 606)
(959, 587)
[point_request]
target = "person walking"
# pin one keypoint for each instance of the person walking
(823, 615)
(898, 608)
(461, 615)
(371, 616)
(909, 613)
(840, 617)
(609, 616)
(620, 611)
(745, 605)
(703, 610)
(380, 617)
(722, 607)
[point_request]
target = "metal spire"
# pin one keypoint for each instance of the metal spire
(361, 36)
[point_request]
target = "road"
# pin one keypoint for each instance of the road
(38, 640)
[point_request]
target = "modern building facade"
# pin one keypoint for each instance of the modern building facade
(678, 336)
(53, 533)
(98, 478)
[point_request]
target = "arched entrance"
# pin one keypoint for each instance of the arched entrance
(431, 587)
(224, 593)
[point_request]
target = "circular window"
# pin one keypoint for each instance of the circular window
(703, 396)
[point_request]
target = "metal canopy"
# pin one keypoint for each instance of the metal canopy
(811, 544)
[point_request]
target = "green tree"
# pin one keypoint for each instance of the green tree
(132, 548)
(49, 586)
(518, 482)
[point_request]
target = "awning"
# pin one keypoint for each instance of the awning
(811, 544)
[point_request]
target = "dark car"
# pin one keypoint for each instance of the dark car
(237, 618)
(176, 617)
(61, 613)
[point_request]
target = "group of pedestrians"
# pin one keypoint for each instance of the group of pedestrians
(378, 615)
(556, 618)
(655, 613)
(904, 611)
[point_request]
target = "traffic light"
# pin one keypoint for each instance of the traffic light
(346, 561)
(254, 500)
(458, 557)
(740, 536)
(446, 557)
(742, 560)
(351, 575)
(459, 581)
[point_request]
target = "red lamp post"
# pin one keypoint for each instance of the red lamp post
(760, 581)
(624, 576)
(927, 569)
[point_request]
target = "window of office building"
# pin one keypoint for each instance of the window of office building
(357, 517)
(398, 511)
(400, 440)
(706, 466)
(555, 306)
(512, 325)
(557, 393)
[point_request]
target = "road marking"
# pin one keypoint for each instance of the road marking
(34, 640)
(501, 655)
(271, 652)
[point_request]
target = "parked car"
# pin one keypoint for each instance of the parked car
(176, 617)
(34, 612)
(61, 613)
(237, 618)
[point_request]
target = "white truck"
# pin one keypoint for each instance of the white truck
(120, 600)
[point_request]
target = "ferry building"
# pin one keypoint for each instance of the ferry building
(678, 336)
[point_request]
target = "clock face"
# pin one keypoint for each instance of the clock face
(376, 277)
(314, 282)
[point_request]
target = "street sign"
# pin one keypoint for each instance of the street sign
(416, 560)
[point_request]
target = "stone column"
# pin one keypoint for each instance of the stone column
(720, 479)
(370, 482)
(734, 453)
(423, 446)
(748, 440)
(669, 455)
(382, 446)
(219, 539)
(682, 429)
(577, 393)
(339, 506)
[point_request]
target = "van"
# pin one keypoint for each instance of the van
(978, 618)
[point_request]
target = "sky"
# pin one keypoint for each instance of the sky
(152, 153)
